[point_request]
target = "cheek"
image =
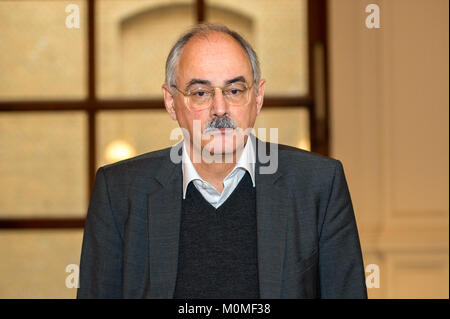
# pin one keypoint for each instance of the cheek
(194, 122)
(242, 118)
(186, 118)
(197, 115)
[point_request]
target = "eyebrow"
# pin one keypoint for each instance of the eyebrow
(198, 81)
(236, 79)
(239, 78)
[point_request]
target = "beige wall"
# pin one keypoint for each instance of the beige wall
(39, 57)
(389, 126)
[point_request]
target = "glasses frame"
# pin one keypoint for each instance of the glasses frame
(187, 94)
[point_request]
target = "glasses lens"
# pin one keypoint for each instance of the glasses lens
(236, 93)
(200, 97)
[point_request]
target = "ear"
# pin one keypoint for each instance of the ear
(260, 95)
(169, 102)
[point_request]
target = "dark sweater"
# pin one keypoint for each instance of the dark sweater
(218, 247)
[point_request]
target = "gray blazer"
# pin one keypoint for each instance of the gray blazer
(308, 244)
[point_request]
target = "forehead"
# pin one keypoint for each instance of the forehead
(217, 57)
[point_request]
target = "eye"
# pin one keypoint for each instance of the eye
(200, 93)
(235, 89)
(233, 92)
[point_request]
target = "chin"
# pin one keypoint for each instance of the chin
(222, 145)
(217, 148)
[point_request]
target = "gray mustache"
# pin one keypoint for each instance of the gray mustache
(220, 122)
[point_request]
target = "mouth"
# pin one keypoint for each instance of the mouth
(222, 131)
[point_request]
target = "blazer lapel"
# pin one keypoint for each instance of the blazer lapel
(164, 214)
(271, 209)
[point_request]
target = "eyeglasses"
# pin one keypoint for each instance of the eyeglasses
(201, 96)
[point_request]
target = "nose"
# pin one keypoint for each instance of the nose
(219, 106)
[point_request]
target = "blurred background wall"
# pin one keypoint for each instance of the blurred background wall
(377, 99)
(389, 125)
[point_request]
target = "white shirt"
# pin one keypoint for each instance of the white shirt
(246, 162)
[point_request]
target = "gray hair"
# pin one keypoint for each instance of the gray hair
(204, 30)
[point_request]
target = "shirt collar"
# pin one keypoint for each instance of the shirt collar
(246, 161)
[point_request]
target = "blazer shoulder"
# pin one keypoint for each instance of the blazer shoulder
(147, 159)
(141, 167)
(290, 155)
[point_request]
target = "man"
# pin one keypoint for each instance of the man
(218, 223)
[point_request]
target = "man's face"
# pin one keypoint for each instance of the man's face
(215, 60)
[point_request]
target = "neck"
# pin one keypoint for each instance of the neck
(214, 173)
